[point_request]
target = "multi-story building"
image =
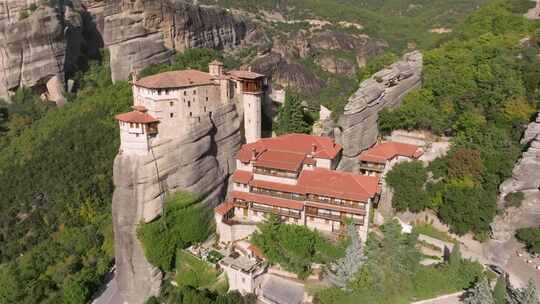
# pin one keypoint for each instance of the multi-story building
(168, 103)
(294, 177)
(379, 159)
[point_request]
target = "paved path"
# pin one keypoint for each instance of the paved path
(446, 299)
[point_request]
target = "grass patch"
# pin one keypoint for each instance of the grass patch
(193, 272)
(428, 229)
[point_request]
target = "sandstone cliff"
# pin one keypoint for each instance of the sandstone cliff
(357, 127)
(526, 178)
(143, 32)
(37, 47)
(199, 161)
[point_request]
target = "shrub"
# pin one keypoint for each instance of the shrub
(531, 238)
(407, 179)
(514, 199)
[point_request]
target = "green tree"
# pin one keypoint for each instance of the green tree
(407, 179)
(480, 294)
(531, 238)
(499, 292)
(291, 117)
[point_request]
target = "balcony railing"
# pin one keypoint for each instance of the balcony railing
(290, 196)
(293, 214)
(241, 204)
(275, 173)
(332, 201)
(333, 217)
(371, 167)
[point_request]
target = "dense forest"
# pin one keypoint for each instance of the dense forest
(481, 85)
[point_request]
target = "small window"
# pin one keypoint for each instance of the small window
(171, 103)
(194, 92)
(204, 109)
(206, 98)
(190, 114)
(185, 93)
(171, 115)
(189, 103)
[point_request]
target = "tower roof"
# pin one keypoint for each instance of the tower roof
(242, 74)
(138, 115)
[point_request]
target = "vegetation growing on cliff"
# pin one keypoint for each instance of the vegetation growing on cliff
(477, 88)
(182, 224)
(531, 238)
(55, 175)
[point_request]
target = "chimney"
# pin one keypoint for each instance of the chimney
(253, 154)
(313, 149)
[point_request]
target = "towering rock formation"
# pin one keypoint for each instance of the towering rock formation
(357, 127)
(143, 32)
(38, 45)
(526, 178)
(199, 162)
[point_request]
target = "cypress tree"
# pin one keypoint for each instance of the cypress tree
(499, 293)
(480, 294)
(291, 116)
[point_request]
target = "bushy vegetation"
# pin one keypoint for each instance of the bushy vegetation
(393, 274)
(514, 199)
(183, 223)
(531, 238)
(291, 117)
(190, 271)
(407, 181)
(55, 175)
(191, 295)
(294, 247)
(480, 89)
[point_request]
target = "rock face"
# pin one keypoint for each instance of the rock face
(357, 127)
(526, 173)
(143, 32)
(199, 162)
(37, 48)
(526, 178)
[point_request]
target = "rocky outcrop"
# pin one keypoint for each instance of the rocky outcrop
(357, 126)
(199, 161)
(526, 173)
(525, 178)
(39, 45)
(143, 32)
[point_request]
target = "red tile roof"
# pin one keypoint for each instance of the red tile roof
(224, 208)
(242, 74)
(380, 153)
(175, 79)
(139, 115)
(256, 251)
(282, 160)
(339, 184)
(267, 200)
(242, 177)
(294, 143)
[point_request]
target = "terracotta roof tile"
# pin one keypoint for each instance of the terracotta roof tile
(336, 208)
(380, 153)
(293, 143)
(242, 74)
(267, 200)
(224, 208)
(278, 186)
(242, 177)
(139, 115)
(282, 160)
(175, 79)
(339, 184)
(256, 251)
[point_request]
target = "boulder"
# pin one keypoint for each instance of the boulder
(143, 32)
(357, 126)
(199, 161)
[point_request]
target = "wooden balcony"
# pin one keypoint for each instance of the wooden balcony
(332, 201)
(276, 194)
(337, 218)
(371, 167)
(241, 204)
(293, 214)
(276, 173)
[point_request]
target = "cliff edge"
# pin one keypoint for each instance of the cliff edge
(200, 162)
